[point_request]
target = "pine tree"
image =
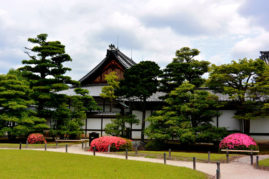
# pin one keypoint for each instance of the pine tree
(187, 116)
(140, 82)
(45, 71)
(183, 68)
(17, 118)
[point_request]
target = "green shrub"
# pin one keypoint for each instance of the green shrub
(155, 145)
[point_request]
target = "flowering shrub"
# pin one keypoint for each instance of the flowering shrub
(36, 138)
(238, 141)
(116, 143)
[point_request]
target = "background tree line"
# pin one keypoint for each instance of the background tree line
(30, 95)
(189, 105)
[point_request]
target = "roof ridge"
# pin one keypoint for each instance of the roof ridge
(130, 61)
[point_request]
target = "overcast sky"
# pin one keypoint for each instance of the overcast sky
(222, 30)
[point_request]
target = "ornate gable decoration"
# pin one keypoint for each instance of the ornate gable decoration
(115, 60)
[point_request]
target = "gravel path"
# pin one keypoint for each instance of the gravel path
(239, 168)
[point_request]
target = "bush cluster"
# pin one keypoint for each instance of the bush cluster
(116, 144)
(238, 141)
(36, 138)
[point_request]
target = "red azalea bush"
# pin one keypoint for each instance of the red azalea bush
(238, 141)
(116, 144)
(36, 138)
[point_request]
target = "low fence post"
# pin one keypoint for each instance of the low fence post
(45, 147)
(27, 143)
(20, 146)
(66, 148)
(94, 151)
(208, 159)
(227, 156)
(82, 145)
(194, 163)
(108, 149)
(126, 154)
(257, 161)
(164, 158)
(136, 149)
(251, 158)
(169, 153)
(218, 171)
(217, 174)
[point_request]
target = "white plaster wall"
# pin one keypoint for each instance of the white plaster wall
(105, 122)
(139, 114)
(259, 125)
(94, 123)
(136, 134)
(260, 138)
(226, 120)
(116, 110)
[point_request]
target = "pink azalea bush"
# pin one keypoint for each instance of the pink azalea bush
(238, 141)
(36, 138)
(116, 143)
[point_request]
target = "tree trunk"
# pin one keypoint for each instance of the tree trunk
(246, 126)
(143, 119)
(110, 107)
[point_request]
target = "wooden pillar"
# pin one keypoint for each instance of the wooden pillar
(217, 120)
(86, 127)
(102, 126)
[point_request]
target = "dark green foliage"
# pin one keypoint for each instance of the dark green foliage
(118, 125)
(185, 117)
(16, 116)
(239, 81)
(155, 145)
(183, 68)
(45, 72)
(210, 134)
(68, 119)
(140, 82)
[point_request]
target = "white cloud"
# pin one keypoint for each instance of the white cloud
(250, 47)
(153, 29)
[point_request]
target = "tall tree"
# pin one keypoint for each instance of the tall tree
(109, 90)
(238, 80)
(140, 81)
(46, 73)
(183, 68)
(16, 116)
(187, 116)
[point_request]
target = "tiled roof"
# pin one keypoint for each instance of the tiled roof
(95, 91)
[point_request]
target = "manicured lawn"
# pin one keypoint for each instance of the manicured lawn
(264, 162)
(13, 145)
(184, 155)
(41, 164)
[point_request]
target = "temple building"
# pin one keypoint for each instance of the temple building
(118, 62)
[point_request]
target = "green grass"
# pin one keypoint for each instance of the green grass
(14, 145)
(264, 162)
(40, 164)
(184, 155)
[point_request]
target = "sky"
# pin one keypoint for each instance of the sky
(222, 30)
